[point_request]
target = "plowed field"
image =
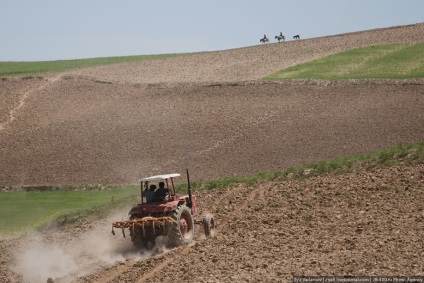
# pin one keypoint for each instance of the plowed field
(211, 113)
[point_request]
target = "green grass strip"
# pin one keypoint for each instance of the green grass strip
(390, 61)
(402, 154)
(21, 211)
(8, 69)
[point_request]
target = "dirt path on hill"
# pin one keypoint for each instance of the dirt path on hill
(27, 92)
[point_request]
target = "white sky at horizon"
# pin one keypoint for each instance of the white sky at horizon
(47, 30)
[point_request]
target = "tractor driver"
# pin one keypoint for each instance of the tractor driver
(162, 191)
(150, 193)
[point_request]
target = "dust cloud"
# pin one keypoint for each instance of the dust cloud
(44, 256)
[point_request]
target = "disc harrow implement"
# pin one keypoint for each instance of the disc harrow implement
(144, 223)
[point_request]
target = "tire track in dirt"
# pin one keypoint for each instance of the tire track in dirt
(243, 203)
(226, 201)
(142, 270)
(135, 270)
(182, 251)
(14, 111)
(108, 274)
(146, 269)
(245, 200)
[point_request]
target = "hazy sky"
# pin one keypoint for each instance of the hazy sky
(53, 29)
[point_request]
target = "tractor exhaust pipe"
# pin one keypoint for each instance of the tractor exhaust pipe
(190, 200)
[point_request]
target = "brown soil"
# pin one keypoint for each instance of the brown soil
(364, 223)
(210, 113)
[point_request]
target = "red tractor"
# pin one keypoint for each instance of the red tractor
(164, 213)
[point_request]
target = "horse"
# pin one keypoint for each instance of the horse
(280, 37)
(264, 40)
(296, 37)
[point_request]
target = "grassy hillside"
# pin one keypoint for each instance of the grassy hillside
(391, 61)
(34, 68)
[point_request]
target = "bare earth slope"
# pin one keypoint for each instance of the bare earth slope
(366, 223)
(345, 225)
(210, 113)
(78, 132)
(114, 124)
(249, 63)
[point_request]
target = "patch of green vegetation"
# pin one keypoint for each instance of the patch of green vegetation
(8, 69)
(390, 61)
(21, 211)
(24, 211)
(401, 154)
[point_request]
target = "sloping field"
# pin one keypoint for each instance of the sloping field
(363, 223)
(210, 113)
(113, 124)
(387, 61)
(248, 63)
(78, 131)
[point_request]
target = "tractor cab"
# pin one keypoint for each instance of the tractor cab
(158, 188)
(159, 197)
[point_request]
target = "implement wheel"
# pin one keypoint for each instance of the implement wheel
(209, 225)
(182, 231)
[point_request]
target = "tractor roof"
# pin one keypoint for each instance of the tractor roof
(159, 177)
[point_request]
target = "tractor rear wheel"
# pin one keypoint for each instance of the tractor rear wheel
(182, 231)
